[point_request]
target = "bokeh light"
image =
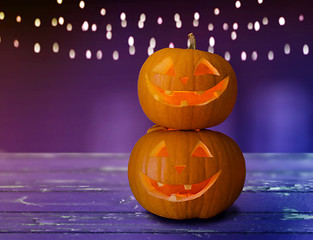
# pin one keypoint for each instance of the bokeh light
(243, 56)
(115, 55)
(18, 18)
(94, 27)
(37, 22)
(287, 48)
(82, 4)
(237, 4)
(16, 43)
(54, 22)
(216, 11)
(72, 54)
(225, 26)
(235, 26)
(265, 21)
(103, 11)
(55, 47)
(306, 49)
(61, 20)
(270, 55)
(210, 27)
(2, 15)
(37, 48)
(233, 35)
(99, 54)
(211, 41)
(160, 20)
(257, 26)
(227, 55)
(132, 50)
(85, 26)
(131, 41)
(88, 54)
(254, 56)
(281, 21)
(69, 27)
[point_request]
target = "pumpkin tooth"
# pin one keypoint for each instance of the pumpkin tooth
(173, 198)
(168, 92)
(187, 187)
(199, 92)
(217, 93)
(184, 103)
(160, 184)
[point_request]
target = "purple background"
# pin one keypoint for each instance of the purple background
(51, 103)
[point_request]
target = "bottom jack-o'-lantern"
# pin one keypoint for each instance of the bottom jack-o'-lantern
(186, 174)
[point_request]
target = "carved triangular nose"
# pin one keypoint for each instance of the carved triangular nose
(184, 80)
(179, 168)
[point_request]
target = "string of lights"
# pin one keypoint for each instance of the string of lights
(230, 29)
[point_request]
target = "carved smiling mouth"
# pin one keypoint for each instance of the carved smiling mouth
(178, 193)
(187, 98)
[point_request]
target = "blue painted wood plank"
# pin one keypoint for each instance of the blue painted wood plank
(287, 181)
(152, 236)
(291, 223)
(124, 201)
(116, 178)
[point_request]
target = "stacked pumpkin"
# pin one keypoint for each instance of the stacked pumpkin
(179, 169)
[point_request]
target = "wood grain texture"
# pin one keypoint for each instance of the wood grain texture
(111, 222)
(114, 179)
(86, 196)
(124, 202)
(151, 236)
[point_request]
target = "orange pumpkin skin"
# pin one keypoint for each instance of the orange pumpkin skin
(186, 174)
(186, 88)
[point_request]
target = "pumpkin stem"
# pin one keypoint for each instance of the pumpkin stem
(192, 41)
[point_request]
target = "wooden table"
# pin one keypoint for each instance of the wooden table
(87, 196)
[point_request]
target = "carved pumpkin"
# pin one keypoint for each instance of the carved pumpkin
(187, 88)
(186, 174)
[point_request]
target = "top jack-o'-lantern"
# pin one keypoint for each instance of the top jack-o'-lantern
(187, 88)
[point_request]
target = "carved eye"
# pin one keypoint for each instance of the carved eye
(205, 67)
(165, 67)
(200, 150)
(159, 150)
